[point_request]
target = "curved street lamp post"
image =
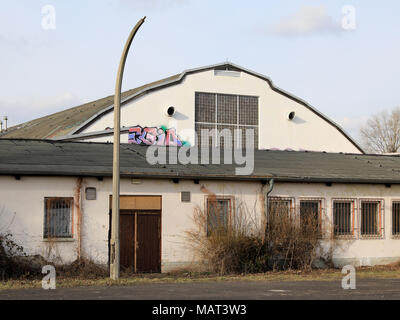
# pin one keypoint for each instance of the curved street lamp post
(114, 256)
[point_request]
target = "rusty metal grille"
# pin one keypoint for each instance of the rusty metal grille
(58, 218)
(218, 215)
(396, 218)
(343, 217)
(205, 107)
(226, 111)
(313, 208)
(370, 219)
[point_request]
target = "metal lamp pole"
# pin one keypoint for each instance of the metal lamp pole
(114, 259)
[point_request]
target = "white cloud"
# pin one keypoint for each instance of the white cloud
(307, 20)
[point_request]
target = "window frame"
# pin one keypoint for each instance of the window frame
(322, 209)
(394, 236)
(381, 217)
(231, 213)
(292, 200)
(71, 220)
(215, 125)
(353, 202)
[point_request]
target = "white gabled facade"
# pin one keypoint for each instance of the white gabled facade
(308, 130)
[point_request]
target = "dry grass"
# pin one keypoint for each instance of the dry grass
(376, 272)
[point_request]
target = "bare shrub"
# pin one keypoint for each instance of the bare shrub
(226, 247)
(82, 268)
(242, 245)
(14, 263)
(292, 241)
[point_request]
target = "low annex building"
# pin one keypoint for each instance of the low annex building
(55, 200)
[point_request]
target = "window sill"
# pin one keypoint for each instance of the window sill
(345, 237)
(59, 240)
(377, 237)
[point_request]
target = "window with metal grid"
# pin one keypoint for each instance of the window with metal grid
(310, 208)
(343, 217)
(279, 205)
(205, 107)
(396, 218)
(370, 218)
(58, 217)
(226, 111)
(218, 215)
(248, 110)
(227, 108)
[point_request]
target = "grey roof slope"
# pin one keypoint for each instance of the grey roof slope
(67, 121)
(61, 158)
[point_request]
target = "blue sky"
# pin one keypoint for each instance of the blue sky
(346, 74)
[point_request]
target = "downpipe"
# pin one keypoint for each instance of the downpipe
(266, 195)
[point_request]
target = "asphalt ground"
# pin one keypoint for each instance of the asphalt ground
(375, 289)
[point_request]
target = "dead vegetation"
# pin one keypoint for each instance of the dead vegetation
(13, 261)
(82, 268)
(16, 264)
(241, 245)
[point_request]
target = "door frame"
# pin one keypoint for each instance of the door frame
(130, 203)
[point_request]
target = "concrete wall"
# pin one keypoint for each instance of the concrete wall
(22, 213)
(275, 131)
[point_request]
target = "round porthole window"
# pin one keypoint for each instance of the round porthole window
(291, 115)
(170, 111)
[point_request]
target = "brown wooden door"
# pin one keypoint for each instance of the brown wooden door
(148, 242)
(140, 241)
(127, 240)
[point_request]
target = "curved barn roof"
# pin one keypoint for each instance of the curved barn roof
(65, 124)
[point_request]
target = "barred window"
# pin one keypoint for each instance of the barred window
(371, 217)
(396, 218)
(343, 217)
(57, 218)
(218, 215)
(280, 205)
(310, 210)
(225, 111)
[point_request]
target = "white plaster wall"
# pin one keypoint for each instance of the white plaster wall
(24, 218)
(176, 216)
(307, 131)
(22, 213)
(358, 251)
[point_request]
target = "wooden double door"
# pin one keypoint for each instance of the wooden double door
(140, 240)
